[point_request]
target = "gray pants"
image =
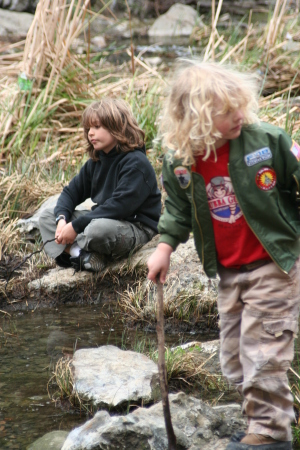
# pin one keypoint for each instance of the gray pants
(113, 238)
(259, 320)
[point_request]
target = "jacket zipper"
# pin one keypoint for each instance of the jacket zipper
(196, 217)
(256, 234)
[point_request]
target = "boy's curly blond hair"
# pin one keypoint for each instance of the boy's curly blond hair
(200, 91)
(116, 116)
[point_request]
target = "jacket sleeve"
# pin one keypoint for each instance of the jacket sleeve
(133, 188)
(287, 165)
(176, 222)
(78, 190)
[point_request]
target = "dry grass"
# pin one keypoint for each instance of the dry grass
(61, 83)
(61, 387)
(139, 303)
(10, 239)
(22, 194)
(187, 367)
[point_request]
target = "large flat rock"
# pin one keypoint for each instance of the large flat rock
(111, 377)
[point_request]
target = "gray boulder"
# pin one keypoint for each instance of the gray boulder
(196, 426)
(19, 5)
(14, 24)
(179, 20)
(112, 377)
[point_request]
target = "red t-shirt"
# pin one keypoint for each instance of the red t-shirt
(236, 244)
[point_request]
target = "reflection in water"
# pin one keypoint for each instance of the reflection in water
(30, 345)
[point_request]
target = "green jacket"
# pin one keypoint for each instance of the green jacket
(271, 214)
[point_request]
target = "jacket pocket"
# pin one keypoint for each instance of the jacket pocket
(289, 214)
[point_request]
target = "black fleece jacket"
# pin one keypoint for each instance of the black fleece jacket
(123, 186)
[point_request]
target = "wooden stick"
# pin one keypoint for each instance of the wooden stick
(162, 367)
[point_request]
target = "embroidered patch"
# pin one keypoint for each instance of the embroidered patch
(266, 178)
(222, 201)
(295, 149)
(258, 156)
(183, 176)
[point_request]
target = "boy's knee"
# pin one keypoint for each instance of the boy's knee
(47, 214)
(102, 229)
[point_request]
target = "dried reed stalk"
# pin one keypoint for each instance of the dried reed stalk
(212, 35)
(275, 23)
(213, 28)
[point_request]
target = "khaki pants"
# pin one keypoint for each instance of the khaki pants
(259, 320)
(113, 238)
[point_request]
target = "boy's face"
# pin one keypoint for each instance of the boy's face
(229, 125)
(100, 138)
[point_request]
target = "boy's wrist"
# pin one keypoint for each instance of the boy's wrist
(60, 217)
(166, 248)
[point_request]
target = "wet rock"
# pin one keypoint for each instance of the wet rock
(50, 441)
(112, 377)
(178, 21)
(14, 24)
(60, 280)
(196, 426)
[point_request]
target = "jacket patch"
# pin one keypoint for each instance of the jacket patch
(183, 176)
(266, 178)
(222, 201)
(295, 149)
(258, 156)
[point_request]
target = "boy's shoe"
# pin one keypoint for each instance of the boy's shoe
(237, 436)
(91, 261)
(63, 260)
(258, 442)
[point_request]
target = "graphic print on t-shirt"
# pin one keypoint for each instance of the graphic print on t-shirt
(222, 201)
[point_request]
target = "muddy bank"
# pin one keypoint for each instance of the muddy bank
(187, 287)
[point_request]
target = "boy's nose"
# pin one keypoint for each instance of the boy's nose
(238, 115)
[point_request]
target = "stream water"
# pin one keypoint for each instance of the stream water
(30, 345)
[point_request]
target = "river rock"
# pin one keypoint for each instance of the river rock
(60, 280)
(31, 225)
(196, 426)
(112, 377)
(14, 24)
(50, 441)
(19, 5)
(179, 20)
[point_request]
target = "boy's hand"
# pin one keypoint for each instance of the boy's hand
(159, 262)
(62, 223)
(65, 234)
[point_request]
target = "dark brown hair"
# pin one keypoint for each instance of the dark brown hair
(116, 116)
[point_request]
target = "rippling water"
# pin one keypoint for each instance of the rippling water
(30, 344)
